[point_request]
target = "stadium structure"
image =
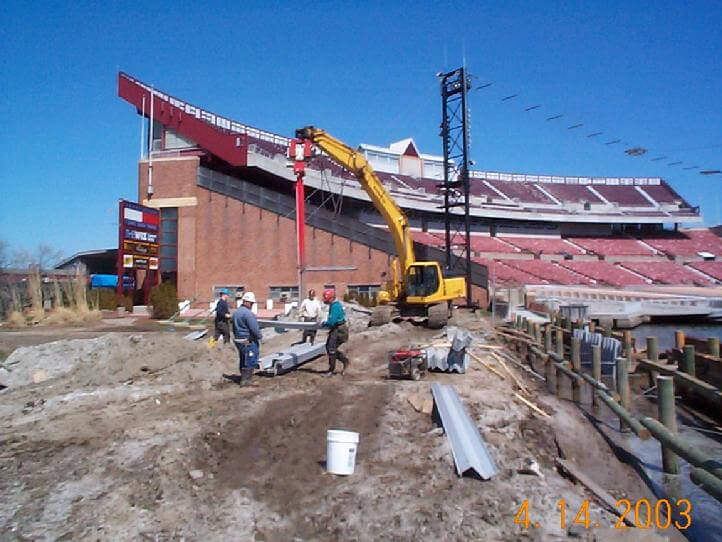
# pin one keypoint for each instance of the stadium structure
(226, 196)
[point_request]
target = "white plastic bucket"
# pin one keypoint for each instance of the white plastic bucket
(341, 449)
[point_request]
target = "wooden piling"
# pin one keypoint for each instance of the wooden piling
(627, 340)
(548, 370)
(652, 349)
(688, 360)
(596, 372)
(623, 388)
(577, 367)
(713, 346)
(653, 355)
(679, 339)
(668, 417)
(560, 343)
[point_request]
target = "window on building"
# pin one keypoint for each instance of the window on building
(369, 290)
(169, 240)
(284, 294)
(235, 291)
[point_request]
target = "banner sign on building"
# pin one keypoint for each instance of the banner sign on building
(138, 242)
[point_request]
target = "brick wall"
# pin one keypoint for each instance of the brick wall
(222, 241)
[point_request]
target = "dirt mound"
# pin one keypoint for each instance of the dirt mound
(108, 359)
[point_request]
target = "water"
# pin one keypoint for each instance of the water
(706, 511)
(665, 332)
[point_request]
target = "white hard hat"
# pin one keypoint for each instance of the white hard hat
(249, 296)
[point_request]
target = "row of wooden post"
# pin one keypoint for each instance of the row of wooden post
(706, 473)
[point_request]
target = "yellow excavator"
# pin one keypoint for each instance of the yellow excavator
(416, 288)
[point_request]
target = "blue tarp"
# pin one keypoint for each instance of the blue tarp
(110, 281)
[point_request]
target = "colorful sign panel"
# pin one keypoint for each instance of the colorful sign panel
(138, 236)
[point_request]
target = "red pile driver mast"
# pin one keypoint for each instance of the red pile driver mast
(299, 151)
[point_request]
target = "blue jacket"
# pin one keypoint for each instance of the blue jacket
(336, 315)
(245, 325)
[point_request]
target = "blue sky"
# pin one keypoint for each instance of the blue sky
(645, 72)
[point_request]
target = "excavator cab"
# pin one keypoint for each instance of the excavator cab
(423, 279)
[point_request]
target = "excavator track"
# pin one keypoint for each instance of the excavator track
(438, 316)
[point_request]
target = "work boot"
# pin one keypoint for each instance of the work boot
(246, 376)
(344, 360)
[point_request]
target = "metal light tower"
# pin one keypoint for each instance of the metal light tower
(455, 136)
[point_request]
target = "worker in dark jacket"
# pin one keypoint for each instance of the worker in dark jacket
(223, 318)
(247, 337)
(338, 333)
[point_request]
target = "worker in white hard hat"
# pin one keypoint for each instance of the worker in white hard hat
(247, 337)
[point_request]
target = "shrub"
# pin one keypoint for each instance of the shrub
(164, 300)
(16, 319)
(35, 290)
(107, 299)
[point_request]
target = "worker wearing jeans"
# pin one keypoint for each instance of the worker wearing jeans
(247, 337)
(310, 311)
(223, 316)
(338, 333)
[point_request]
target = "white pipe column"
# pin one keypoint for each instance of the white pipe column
(150, 148)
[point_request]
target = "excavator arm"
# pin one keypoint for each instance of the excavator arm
(354, 162)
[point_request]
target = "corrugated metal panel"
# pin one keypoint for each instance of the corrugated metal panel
(287, 324)
(467, 446)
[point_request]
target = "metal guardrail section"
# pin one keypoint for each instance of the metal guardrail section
(280, 362)
(284, 324)
(343, 226)
(467, 447)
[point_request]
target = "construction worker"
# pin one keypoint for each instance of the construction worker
(247, 337)
(223, 317)
(310, 311)
(338, 333)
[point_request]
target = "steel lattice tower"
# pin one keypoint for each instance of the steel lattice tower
(455, 137)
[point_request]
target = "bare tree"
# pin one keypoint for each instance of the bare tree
(20, 259)
(45, 257)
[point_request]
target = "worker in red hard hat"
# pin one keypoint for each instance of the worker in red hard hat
(338, 333)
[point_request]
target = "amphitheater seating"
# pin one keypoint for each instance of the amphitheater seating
(625, 196)
(713, 269)
(687, 243)
(575, 193)
(267, 147)
(483, 243)
(612, 246)
(500, 273)
(523, 191)
(479, 243)
(549, 271)
(667, 273)
(541, 245)
(604, 273)
(662, 193)
(479, 188)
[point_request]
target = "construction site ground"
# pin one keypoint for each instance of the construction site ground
(136, 434)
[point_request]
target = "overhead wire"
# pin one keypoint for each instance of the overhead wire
(634, 151)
